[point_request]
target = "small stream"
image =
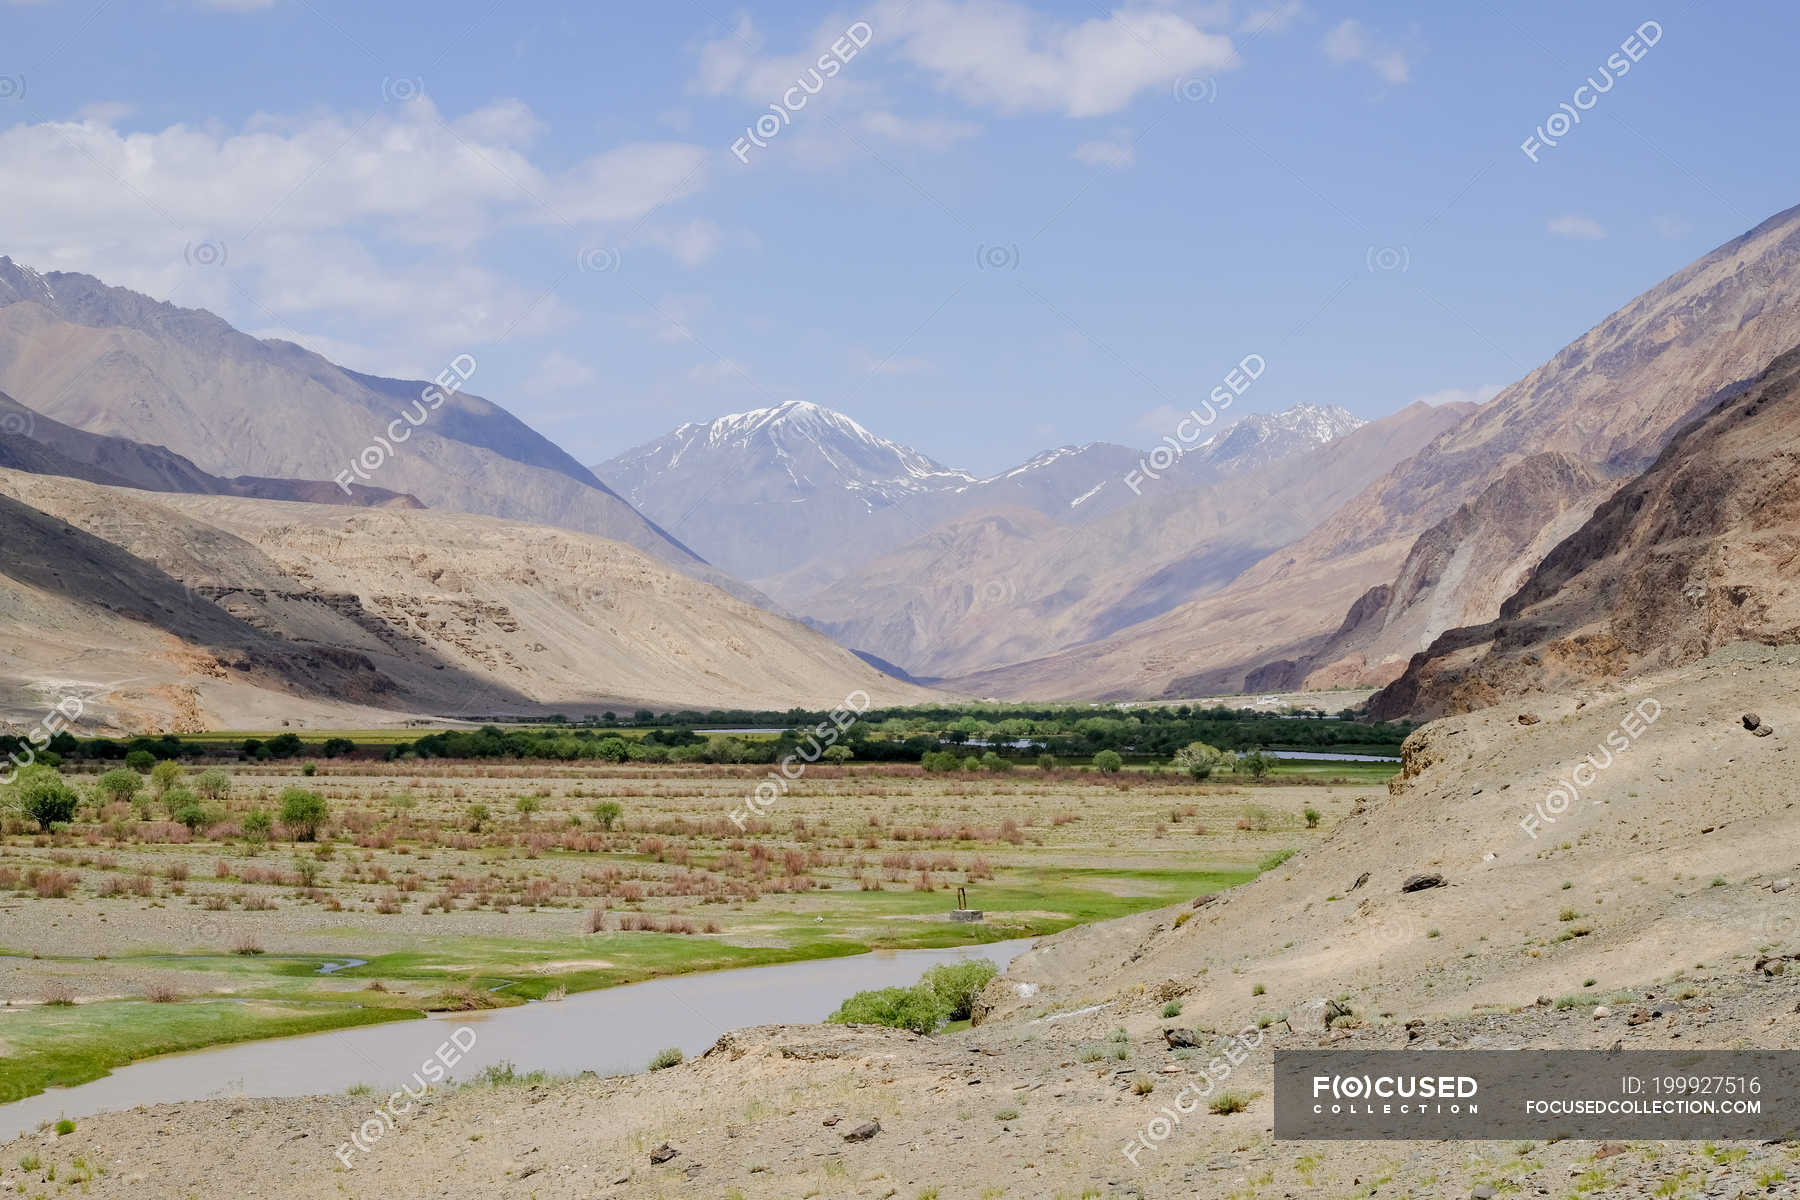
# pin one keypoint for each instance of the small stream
(610, 1031)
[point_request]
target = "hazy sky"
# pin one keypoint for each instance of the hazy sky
(1000, 225)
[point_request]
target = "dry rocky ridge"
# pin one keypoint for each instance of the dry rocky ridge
(1698, 551)
(1607, 403)
(190, 612)
(1668, 886)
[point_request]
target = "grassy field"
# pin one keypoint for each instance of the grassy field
(463, 884)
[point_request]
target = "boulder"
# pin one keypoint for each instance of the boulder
(1180, 1039)
(863, 1133)
(662, 1154)
(1422, 881)
(1315, 1016)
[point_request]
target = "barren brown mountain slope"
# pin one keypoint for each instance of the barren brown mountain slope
(30, 441)
(433, 613)
(110, 361)
(1021, 1106)
(1700, 550)
(1007, 585)
(1609, 401)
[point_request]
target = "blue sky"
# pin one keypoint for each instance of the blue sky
(1001, 225)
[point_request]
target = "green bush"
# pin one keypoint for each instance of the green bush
(165, 775)
(939, 761)
(945, 993)
(44, 797)
(213, 783)
(606, 812)
(667, 1058)
(256, 825)
(1108, 761)
(140, 761)
(915, 1008)
(302, 813)
(120, 785)
(957, 984)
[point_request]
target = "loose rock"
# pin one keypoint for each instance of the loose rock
(662, 1154)
(863, 1133)
(1418, 883)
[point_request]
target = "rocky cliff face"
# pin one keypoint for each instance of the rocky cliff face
(1700, 550)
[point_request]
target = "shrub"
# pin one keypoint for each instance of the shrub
(1226, 1103)
(1312, 816)
(606, 813)
(1171, 1009)
(256, 825)
(119, 785)
(336, 747)
(993, 762)
(667, 1058)
(955, 985)
(938, 761)
(1255, 764)
(838, 754)
(65, 1127)
(1047, 762)
(140, 761)
(302, 813)
(914, 1008)
(1108, 762)
(165, 775)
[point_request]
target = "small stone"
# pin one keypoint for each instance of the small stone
(1526, 718)
(662, 1154)
(1484, 1192)
(1763, 730)
(863, 1133)
(1180, 1039)
(1751, 720)
(1419, 882)
(1781, 885)
(1608, 1149)
(833, 1119)
(1601, 1012)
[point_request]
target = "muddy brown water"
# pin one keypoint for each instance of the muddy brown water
(610, 1031)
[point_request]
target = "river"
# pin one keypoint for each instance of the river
(609, 1031)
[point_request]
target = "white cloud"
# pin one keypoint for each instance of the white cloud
(561, 372)
(993, 53)
(1115, 151)
(328, 220)
(1350, 42)
(1474, 395)
(932, 133)
(104, 112)
(1575, 226)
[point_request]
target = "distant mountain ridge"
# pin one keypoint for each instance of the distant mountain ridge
(752, 491)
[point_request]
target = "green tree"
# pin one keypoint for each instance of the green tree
(606, 812)
(478, 816)
(1108, 761)
(939, 760)
(337, 747)
(613, 749)
(140, 761)
(1198, 759)
(993, 762)
(42, 795)
(526, 805)
(838, 754)
(1255, 764)
(303, 813)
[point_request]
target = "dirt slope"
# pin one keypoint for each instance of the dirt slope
(432, 613)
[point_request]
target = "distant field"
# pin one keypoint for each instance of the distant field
(493, 882)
